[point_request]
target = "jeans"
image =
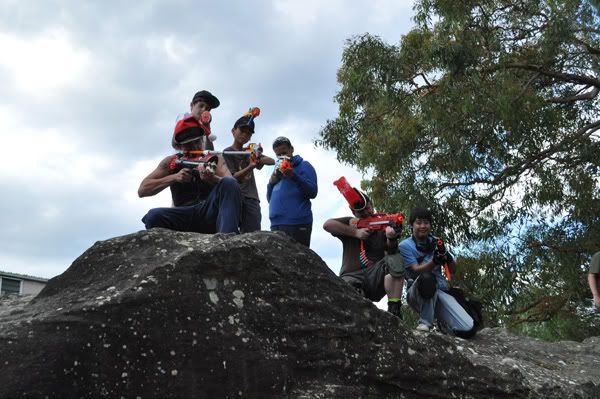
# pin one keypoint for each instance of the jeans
(299, 232)
(443, 306)
(219, 213)
(250, 215)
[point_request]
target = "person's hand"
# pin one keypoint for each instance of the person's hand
(288, 172)
(275, 177)
(183, 176)
(390, 233)
(362, 234)
(207, 174)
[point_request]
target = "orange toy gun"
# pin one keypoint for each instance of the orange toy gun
(283, 163)
(252, 113)
(356, 201)
(442, 253)
(379, 221)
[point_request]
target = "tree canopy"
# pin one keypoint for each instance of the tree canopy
(487, 111)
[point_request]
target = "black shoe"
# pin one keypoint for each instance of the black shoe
(395, 309)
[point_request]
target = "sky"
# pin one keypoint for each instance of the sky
(90, 92)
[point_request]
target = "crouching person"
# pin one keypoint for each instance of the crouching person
(370, 260)
(427, 289)
(206, 198)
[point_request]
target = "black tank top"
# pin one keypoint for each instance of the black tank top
(190, 193)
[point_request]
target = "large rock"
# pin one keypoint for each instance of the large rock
(162, 314)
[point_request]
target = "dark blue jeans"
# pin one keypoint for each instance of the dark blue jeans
(299, 232)
(219, 213)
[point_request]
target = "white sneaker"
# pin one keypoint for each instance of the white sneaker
(423, 327)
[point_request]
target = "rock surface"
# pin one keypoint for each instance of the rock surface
(184, 315)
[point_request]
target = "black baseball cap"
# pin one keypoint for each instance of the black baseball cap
(246, 120)
(207, 97)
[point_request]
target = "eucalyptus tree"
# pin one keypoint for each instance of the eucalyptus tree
(488, 112)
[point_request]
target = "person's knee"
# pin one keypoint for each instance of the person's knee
(229, 183)
(153, 218)
(426, 285)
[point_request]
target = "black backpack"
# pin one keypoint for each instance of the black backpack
(472, 307)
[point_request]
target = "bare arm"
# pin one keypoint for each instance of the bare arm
(423, 267)
(161, 178)
(265, 160)
(593, 282)
(338, 228)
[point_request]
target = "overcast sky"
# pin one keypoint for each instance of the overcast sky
(89, 94)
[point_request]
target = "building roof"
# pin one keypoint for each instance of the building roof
(23, 277)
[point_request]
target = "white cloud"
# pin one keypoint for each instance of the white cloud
(90, 94)
(45, 64)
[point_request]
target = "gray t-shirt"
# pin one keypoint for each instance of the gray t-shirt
(235, 163)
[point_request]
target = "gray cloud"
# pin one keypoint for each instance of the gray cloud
(142, 62)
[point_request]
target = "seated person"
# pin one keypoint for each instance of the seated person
(427, 289)
(205, 200)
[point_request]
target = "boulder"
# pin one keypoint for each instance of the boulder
(169, 314)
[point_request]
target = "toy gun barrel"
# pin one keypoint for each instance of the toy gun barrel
(188, 163)
(441, 248)
(354, 200)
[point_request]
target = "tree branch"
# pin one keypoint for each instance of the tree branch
(567, 77)
(586, 96)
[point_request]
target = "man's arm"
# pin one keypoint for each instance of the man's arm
(391, 245)
(243, 174)
(411, 261)
(307, 181)
(337, 228)
(593, 282)
(161, 178)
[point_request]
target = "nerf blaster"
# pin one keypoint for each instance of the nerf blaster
(442, 252)
(356, 201)
(283, 163)
(181, 160)
(194, 158)
(379, 221)
(252, 113)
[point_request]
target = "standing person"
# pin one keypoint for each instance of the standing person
(594, 279)
(427, 289)
(289, 191)
(370, 259)
(204, 200)
(242, 167)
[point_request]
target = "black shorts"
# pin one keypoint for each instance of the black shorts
(369, 280)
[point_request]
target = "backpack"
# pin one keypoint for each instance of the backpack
(473, 307)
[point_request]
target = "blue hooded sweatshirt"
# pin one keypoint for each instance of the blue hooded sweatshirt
(289, 199)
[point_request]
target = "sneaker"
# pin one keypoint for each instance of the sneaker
(423, 327)
(395, 309)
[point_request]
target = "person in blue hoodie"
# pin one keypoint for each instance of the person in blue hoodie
(289, 191)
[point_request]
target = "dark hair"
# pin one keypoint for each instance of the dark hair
(420, 213)
(281, 141)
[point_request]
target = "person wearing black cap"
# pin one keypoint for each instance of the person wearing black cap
(289, 191)
(242, 167)
(370, 259)
(205, 200)
(204, 101)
